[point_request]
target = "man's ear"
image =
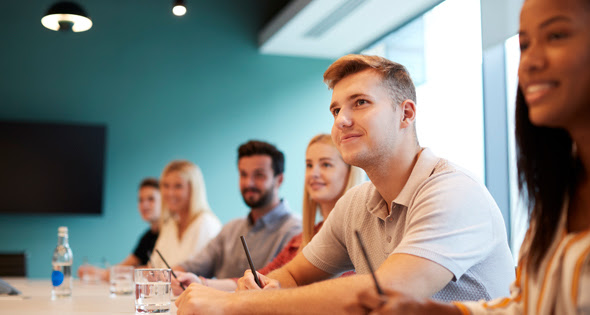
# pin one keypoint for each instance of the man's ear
(408, 109)
(279, 180)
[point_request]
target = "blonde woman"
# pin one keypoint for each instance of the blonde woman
(187, 221)
(327, 177)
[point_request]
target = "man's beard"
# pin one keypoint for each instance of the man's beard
(264, 199)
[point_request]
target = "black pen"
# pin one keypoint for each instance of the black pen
(250, 261)
(175, 277)
(358, 236)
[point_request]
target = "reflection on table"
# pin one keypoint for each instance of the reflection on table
(91, 298)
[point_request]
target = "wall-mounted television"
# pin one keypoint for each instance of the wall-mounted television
(51, 168)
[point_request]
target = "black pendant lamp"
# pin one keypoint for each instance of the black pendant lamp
(66, 16)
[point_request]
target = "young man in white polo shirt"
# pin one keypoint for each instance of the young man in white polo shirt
(430, 227)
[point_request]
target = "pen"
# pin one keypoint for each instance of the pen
(175, 277)
(250, 261)
(358, 236)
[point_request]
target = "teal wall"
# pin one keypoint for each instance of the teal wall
(166, 88)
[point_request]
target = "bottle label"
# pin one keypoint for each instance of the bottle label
(57, 277)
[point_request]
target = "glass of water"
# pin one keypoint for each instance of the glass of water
(121, 280)
(152, 290)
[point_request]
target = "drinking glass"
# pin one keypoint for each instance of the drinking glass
(152, 290)
(121, 279)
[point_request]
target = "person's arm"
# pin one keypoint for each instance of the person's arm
(413, 275)
(326, 297)
(396, 303)
(408, 274)
(90, 271)
(228, 285)
(404, 273)
(187, 278)
(131, 260)
(297, 272)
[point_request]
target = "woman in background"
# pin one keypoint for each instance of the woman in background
(187, 221)
(327, 178)
(553, 139)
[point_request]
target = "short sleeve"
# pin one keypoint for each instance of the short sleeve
(451, 222)
(146, 244)
(327, 250)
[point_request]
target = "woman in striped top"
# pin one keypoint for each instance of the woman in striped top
(553, 138)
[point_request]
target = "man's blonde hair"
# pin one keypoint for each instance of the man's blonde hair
(396, 77)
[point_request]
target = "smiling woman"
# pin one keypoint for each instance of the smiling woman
(553, 151)
(188, 223)
(327, 178)
(555, 85)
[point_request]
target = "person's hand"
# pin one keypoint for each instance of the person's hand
(186, 278)
(88, 272)
(390, 303)
(247, 282)
(199, 299)
(82, 270)
(393, 302)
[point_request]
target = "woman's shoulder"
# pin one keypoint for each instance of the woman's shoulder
(206, 218)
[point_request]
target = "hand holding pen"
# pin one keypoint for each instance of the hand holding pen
(173, 274)
(254, 273)
(252, 280)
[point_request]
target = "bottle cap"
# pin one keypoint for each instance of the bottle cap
(62, 230)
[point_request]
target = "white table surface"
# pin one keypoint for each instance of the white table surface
(85, 299)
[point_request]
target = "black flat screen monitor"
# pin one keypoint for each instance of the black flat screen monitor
(51, 168)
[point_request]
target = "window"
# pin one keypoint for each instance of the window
(442, 51)
(518, 211)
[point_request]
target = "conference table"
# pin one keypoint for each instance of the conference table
(87, 298)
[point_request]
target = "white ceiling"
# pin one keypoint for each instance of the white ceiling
(333, 28)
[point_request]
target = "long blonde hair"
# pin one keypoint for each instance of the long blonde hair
(311, 207)
(198, 195)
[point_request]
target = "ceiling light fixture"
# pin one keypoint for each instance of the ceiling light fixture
(179, 9)
(66, 16)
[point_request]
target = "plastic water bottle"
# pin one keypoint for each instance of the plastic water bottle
(61, 277)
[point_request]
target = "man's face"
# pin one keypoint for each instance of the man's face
(258, 184)
(366, 122)
(149, 203)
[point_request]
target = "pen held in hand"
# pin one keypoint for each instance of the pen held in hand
(175, 277)
(358, 236)
(250, 261)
